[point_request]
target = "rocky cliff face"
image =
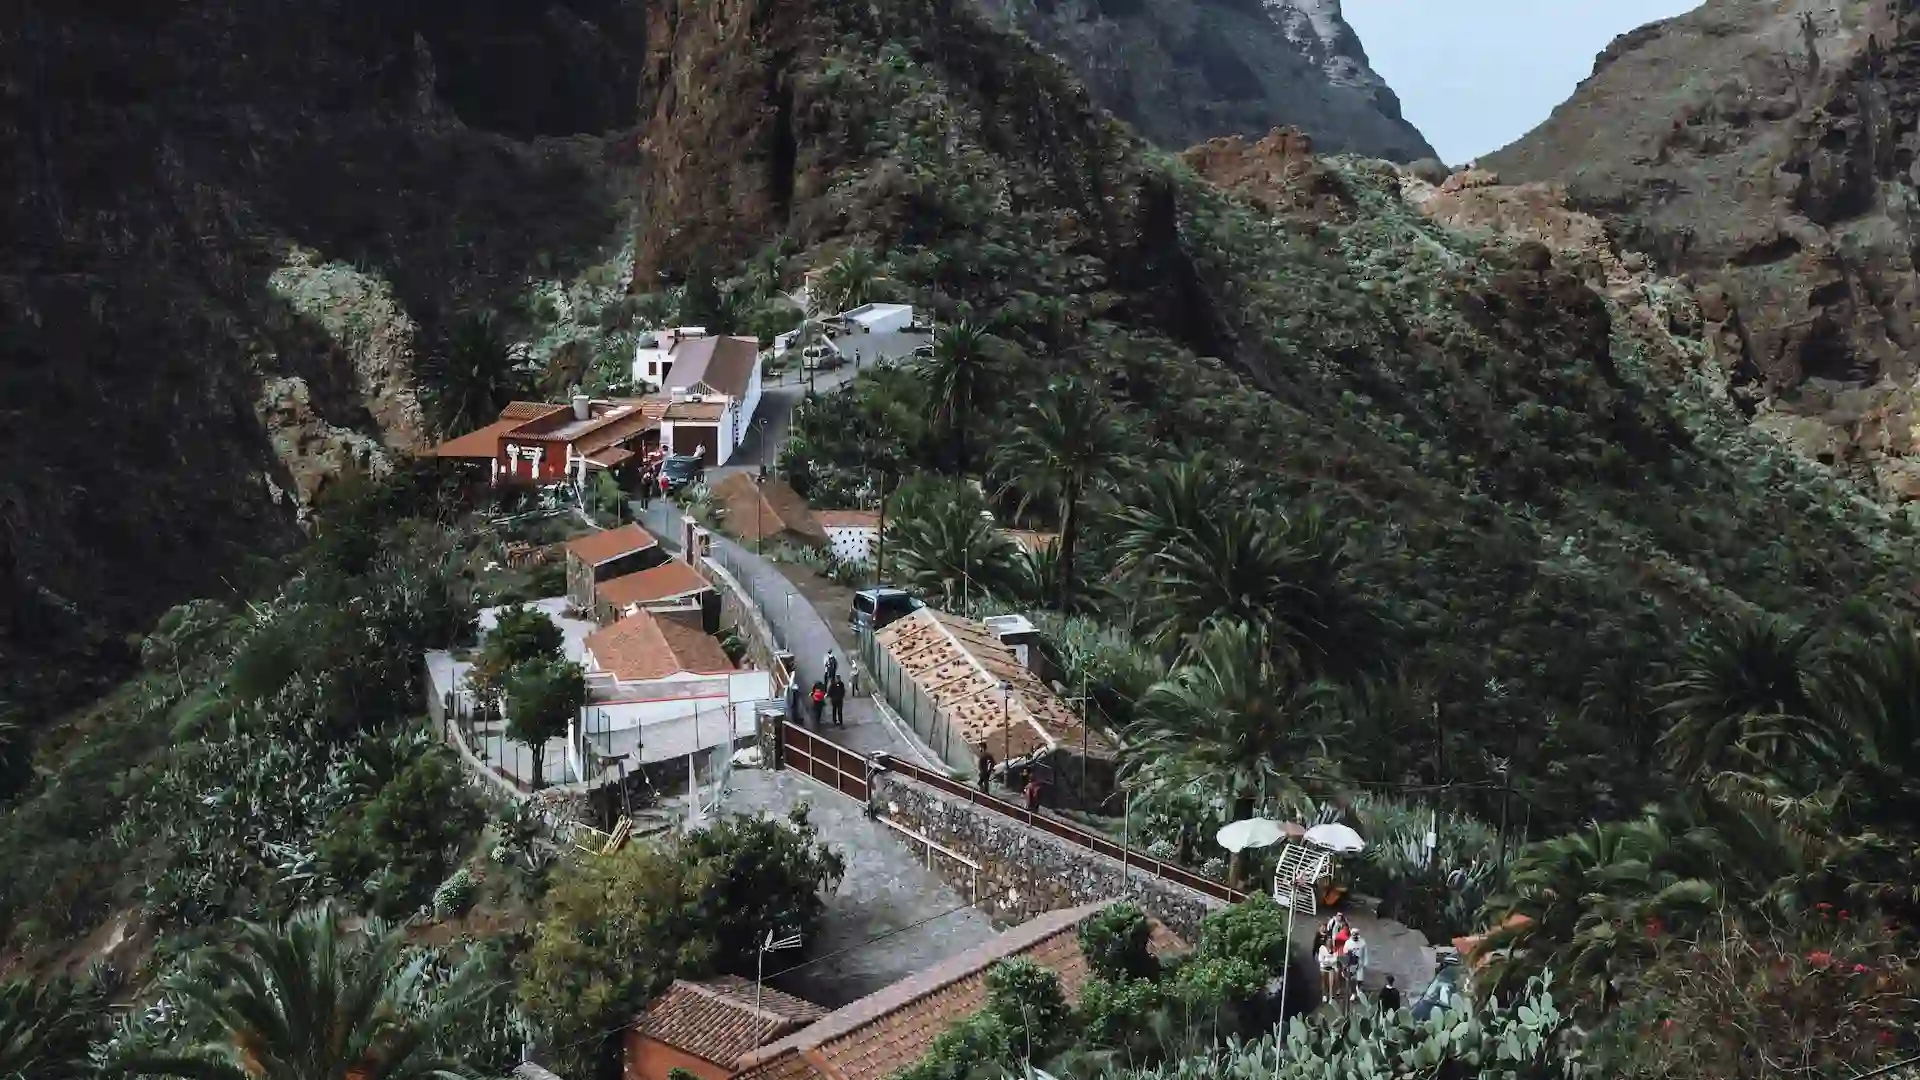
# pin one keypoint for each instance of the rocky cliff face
(231, 229)
(1183, 71)
(1767, 150)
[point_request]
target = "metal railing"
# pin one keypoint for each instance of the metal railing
(1072, 834)
(846, 772)
(828, 762)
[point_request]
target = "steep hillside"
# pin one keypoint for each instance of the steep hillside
(1182, 71)
(1537, 493)
(1767, 150)
(232, 228)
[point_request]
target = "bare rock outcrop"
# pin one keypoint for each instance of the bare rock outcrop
(1766, 152)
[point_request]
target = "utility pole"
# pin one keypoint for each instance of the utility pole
(1006, 725)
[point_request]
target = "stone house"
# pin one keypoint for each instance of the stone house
(705, 1027)
(603, 556)
(962, 684)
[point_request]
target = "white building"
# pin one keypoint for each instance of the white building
(879, 318)
(852, 535)
(663, 688)
(653, 357)
(712, 385)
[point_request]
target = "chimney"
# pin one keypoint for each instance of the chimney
(582, 407)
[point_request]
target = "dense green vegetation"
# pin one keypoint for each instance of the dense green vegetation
(618, 930)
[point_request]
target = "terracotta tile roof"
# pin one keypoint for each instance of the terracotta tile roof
(847, 519)
(651, 645)
(530, 410)
(718, 1020)
(696, 411)
(483, 444)
(884, 1032)
(959, 664)
(607, 459)
(626, 419)
(714, 365)
(780, 510)
(601, 547)
(669, 579)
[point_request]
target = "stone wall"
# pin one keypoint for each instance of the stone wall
(1025, 873)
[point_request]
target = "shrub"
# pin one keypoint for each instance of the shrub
(1026, 998)
(1115, 943)
(1253, 932)
(400, 844)
(455, 895)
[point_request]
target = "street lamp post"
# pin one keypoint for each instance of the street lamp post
(1006, 726)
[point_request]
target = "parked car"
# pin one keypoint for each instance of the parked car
(821, 356)
(873, 609)
(682, 471)
(923, 352)
(1444, 991)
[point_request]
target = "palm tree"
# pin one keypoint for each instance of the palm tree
(1170, 501)
(1233, 719)
(309, 1000)
(1589, 904)
(1067, 444)
(942, 544)
(47, 1031)
(851, 280)
(958, 373)
(1742, 695)
(1287, 577)
(471, 377)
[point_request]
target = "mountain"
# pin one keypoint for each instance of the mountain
(1184, 71)
(1535, 476)
(1766, 151)
(233, 228)
(244, 225)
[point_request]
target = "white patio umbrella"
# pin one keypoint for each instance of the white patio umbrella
(1336, 838)
(1251, 833)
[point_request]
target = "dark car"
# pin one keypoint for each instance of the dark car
(682, 470)
(875, 608)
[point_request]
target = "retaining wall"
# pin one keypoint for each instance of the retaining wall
(1023, 872)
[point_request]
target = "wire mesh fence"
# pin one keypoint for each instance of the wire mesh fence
(912, 705)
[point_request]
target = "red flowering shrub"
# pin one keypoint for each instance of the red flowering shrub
(1770, 1003)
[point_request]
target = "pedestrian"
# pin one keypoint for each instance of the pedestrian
(1356, 958)
(1324, 957)
(986, 768)
(831, 667)
(1033, 794)
(837, 696)
(819, 699)
(1389, 997)
(646, 489)
(663, 483)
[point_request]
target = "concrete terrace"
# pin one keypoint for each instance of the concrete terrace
(892, 915)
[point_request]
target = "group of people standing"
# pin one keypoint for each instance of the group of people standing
(1342, 956)
(830, 690)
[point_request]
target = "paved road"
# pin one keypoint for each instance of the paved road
(804, 631)
(779, 397)
(888, 890)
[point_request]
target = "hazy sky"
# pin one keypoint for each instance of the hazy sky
(1473, 75)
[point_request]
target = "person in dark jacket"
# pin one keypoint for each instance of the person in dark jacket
(837, 697)
(819, 699)
(1389, 996)
(986, 768)
(1033, 795)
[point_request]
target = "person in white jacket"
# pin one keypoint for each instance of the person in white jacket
(1356, 956)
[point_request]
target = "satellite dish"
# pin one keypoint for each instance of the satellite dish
(1336, 838)
(1251, 833)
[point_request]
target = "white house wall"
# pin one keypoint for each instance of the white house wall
(852, 544)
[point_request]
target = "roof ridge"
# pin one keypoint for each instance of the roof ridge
(706, 989)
